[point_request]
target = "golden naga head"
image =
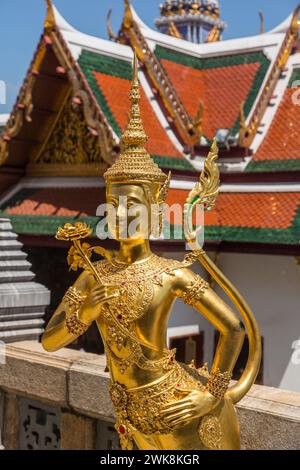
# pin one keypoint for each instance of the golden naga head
(135, 176)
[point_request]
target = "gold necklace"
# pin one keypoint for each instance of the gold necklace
(153, 266)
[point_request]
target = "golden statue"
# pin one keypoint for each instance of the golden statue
(159, 402)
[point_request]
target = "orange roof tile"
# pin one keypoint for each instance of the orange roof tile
(58, 201)
(255, 210)
(282, 141)
(116, 91)
(221, 89)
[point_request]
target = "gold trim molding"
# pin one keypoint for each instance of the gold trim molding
(61, 169)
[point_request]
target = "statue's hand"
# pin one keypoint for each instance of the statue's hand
(97, 296)
(197, 403)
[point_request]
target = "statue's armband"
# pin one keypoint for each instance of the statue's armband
(194, 292)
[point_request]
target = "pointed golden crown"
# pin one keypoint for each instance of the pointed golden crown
(134, 162)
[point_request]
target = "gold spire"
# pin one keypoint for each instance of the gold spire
(134, 163)
(134, 138)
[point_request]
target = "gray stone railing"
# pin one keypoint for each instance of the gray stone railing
(45, 397)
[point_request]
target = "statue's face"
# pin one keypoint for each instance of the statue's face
(129, 212)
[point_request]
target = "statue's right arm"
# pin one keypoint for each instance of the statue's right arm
(56, 335)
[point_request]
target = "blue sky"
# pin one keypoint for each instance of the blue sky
(22, 23)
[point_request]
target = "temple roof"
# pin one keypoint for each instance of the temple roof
(196, 21)
(247, 74)
(222, 84)
(212, 83)
(189, 92)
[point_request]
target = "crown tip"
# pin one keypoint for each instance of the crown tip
(135, 66)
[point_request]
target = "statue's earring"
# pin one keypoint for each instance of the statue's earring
(163, 192)
(160, 219)
(154, 214)
(161, 199)
(156, 221)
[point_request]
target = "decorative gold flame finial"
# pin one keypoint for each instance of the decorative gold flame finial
(295, 20)
(49, 22)
(135, 163)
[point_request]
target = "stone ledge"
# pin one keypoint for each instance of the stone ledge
(32, 372)
(270, 418)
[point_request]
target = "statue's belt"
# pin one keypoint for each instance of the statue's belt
(140, 407)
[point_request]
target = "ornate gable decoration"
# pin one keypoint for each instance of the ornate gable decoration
(71, 149)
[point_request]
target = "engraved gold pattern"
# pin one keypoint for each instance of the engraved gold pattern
(210, 432)
(71, 141)
(75, 326)
(74, 298)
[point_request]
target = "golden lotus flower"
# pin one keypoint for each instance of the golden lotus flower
(72, 232)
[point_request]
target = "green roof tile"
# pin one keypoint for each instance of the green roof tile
(173, 163)
(294, 78)
(273, 165)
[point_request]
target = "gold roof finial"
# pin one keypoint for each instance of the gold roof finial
(112, 36)
(134, 163)
(295, 20)
(128, 18)
(49, 22)
(262, 22)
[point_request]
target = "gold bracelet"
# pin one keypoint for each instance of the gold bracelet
(74, 298)
(218, 382)
(75, 326)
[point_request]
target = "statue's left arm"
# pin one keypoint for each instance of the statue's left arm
(193, 290)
